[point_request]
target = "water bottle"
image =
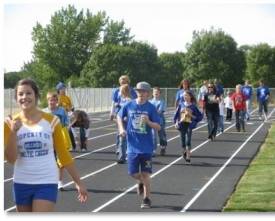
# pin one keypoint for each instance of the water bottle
(142, 125)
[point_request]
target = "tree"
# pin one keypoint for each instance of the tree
(116, 33)
(41, 73)
(172, 67)
(11, 79)
(261, 64)
(109, 62)
(66, 44)
(214, 54)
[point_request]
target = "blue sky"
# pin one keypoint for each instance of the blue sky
(167, 24)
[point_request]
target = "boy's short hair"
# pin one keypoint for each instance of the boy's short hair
(51, 94)
(156, 88)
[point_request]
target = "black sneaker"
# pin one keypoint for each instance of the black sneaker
(162, 151)
(188, 161)
(140, 189)
(184, 155)
(211, 137)
(120, 161)
(146, 203)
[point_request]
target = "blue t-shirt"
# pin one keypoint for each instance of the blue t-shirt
(247, 91)
(262, 93)
(139, 141)
(219, 89)
(116, 97)
(159, 104)
(61, 114)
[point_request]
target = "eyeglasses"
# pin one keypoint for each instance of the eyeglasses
(210, 87)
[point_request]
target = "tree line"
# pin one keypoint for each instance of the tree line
(92, 50)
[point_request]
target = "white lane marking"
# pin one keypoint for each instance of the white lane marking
(219, 171)
(223, 167)
(153, 175)
(156, 172)
(104, 168)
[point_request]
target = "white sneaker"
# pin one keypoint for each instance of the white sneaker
(60, 185)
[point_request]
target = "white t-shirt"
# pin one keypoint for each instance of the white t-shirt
(228, 102)
(221, 107)
(36, 162)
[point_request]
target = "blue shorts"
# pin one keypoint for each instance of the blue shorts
(139, 162)
(24, 194)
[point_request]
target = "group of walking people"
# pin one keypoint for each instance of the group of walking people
(35, 141)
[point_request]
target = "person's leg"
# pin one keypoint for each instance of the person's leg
(61, 176)
(188, 149)
(42, 206)
(146, 180)
(227, 114)
(183, 133)
(209, 123)
(248, 108)
(237, 115)
(122, 149)
(230, 114)
(83, 139)
(216, 118)
(155, 140)
(24, 208)
(72, 138)
(242, 120)
(260, 109)
(265, 108)
(162, 134)
(221, 124)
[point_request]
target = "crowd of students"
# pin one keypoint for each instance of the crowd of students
(38, 142)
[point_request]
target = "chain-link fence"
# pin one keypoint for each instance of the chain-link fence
(99, 99)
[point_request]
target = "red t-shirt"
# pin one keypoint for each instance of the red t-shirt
(238, 100)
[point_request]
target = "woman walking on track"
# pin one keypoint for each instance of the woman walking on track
(184, 86)
(186, 118)
(30, 139)
(211, 103)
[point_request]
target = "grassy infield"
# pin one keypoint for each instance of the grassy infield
(256, 189)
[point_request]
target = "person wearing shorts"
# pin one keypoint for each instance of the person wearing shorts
(142, 117)
(31, 139)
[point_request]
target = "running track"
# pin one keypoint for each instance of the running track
(203, 186)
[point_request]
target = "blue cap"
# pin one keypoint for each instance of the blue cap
(60, 86)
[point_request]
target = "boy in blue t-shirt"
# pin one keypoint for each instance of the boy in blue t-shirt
(142, 117)
(263, 94)
(161, 108)
(247, 90)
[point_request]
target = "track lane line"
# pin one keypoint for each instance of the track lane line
(223, 167)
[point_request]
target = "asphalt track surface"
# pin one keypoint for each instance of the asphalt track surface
(203, 186)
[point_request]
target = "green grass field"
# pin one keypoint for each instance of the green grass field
(256, 189)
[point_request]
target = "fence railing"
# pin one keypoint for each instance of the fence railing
(99, 99)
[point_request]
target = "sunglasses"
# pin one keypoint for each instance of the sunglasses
(210, 87)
